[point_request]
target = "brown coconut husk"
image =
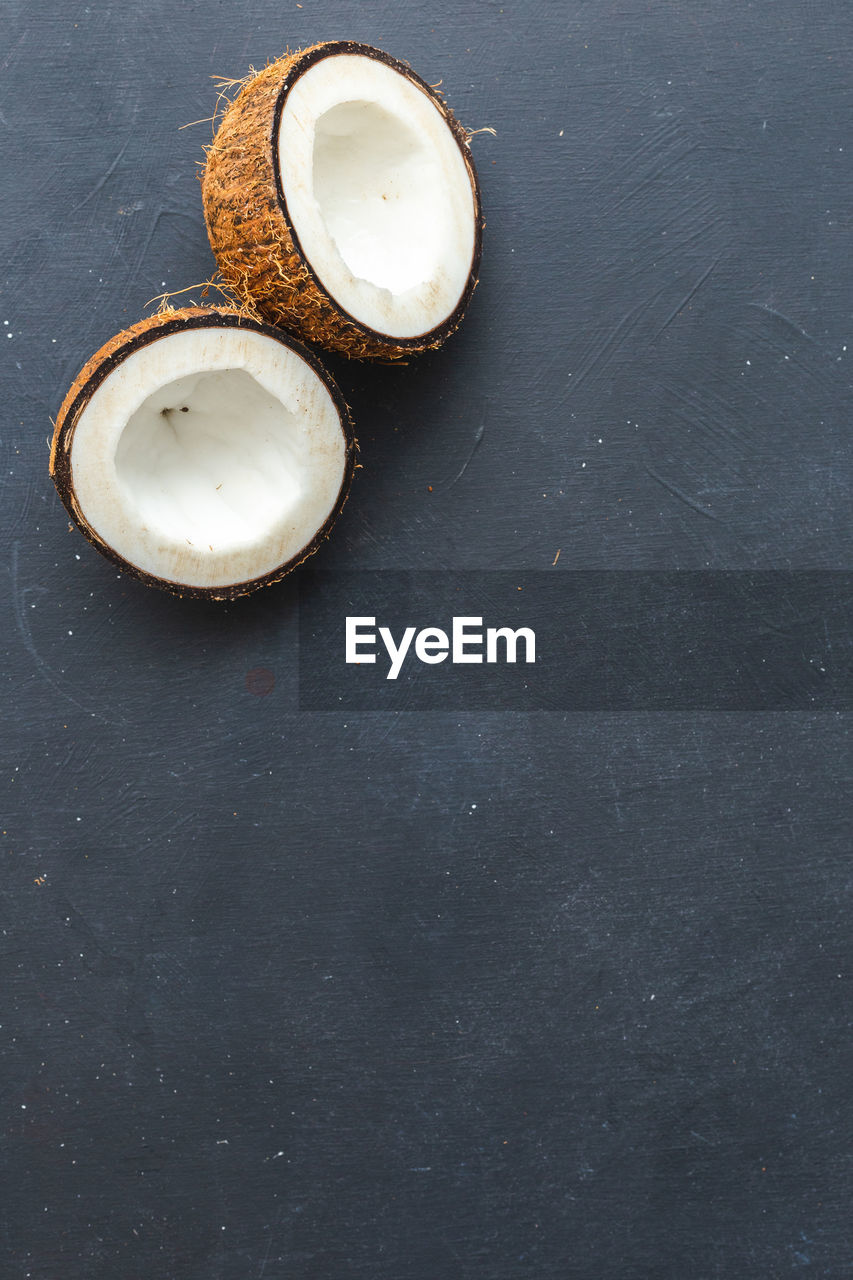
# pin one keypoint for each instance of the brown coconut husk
(103, 362)
(250, 232)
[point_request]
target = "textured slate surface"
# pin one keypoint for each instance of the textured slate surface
(410, 996)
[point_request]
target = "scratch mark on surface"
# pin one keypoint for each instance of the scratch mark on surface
(273, 1234)
(391, 723)
(771, 311)
(481, 431)
(24, 512)
(681, 495)
(650, 181)
(104, 176)
(687, 297)
(18, 599)
(662, 138)
(712, 415)
(162, 212)
(606, 348)
(4, 65)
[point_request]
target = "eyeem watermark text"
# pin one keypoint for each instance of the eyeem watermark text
(466, 642)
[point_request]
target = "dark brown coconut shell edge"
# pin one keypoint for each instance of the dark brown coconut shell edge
(337, 329)
(108, 358)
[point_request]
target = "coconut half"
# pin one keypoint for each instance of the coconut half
(341, 199)
(203, 452)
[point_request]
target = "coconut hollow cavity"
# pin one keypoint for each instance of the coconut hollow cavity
(203, 452)
(341, 199)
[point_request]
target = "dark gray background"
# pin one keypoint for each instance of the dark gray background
(411, 996)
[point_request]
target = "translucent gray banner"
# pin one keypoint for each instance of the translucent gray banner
(576, 641)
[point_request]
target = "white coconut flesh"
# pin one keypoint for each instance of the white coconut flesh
(209, 457)
(378, 194)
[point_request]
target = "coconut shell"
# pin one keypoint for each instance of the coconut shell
(250, 231)
(104, 361)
